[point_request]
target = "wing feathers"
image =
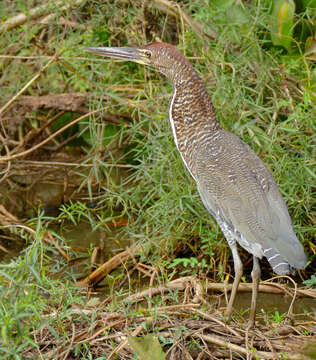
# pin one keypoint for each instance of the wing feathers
(236, 183)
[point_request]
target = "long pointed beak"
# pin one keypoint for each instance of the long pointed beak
(125, 53)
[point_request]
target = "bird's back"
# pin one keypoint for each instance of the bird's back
(241, 193)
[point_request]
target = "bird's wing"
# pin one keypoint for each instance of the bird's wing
(234, 181)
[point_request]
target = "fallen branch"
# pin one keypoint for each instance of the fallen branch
(184, 282)
(264, 288)
(233, 347)
(73, 102)
(177, 284)
(59, 131)
(35, 13)
(108, 266)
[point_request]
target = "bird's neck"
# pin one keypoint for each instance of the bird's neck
(192, 115)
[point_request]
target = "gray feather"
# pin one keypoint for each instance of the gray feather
(236, 186)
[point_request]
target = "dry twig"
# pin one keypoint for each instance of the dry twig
(107, 267)
(41, 10)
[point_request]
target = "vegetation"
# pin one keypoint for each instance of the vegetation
(96, 134)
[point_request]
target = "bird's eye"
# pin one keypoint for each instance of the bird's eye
(148, 54)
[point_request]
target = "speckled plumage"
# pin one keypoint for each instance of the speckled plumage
(234, 185)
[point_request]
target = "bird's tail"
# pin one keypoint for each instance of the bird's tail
(279, 265)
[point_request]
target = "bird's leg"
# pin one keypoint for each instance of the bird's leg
(255, 275)
(238, 274)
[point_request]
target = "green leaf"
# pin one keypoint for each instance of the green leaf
(282, 23)
(311, 282)
(147, 347)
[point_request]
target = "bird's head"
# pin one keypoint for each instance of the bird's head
(163, 57)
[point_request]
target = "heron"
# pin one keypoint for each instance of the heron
(234, 184)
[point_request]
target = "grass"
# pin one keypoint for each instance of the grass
(261, 93)
(28, 295)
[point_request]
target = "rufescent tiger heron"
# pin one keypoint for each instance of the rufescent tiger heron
(234, 185)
